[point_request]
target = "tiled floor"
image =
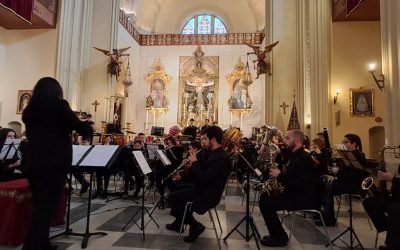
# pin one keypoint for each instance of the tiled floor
(110, 217)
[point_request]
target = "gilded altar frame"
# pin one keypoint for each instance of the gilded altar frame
(239, 87)
(198, 88)
(157, 82)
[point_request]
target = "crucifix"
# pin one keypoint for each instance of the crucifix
(95, 104)
(284, 106)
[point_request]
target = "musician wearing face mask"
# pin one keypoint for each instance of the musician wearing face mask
(210, 174)
(348, 179)
(299, 189)
(384, 212)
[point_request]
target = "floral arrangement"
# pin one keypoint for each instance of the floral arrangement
(174, 131)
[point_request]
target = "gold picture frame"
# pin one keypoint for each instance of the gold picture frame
(23, 99)
(362, 103)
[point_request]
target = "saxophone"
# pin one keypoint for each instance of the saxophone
(272, 187)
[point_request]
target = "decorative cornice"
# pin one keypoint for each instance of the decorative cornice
(179, 39)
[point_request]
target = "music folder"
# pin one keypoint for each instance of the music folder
(164, 159)
(94, 157)
(144, 166)
(351, 158)
(9, 149)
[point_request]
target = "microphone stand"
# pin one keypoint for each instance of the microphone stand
(248, 218)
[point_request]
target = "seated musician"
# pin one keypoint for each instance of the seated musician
(174, 152)
(77, 174)
(184, 179)
(101, 175)
(299, 181)
(210, 179)
(384, 212)
(8, 167)
(348, 179)
(320, 155)
(133, 170)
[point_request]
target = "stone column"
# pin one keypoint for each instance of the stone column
(390, 37)
(74, 49)
(269, 87)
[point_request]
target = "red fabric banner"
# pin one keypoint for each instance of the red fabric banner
(21, 8)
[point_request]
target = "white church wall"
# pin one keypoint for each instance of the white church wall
(169, 57)
(25, 56)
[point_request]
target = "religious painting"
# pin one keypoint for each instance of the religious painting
(198, 88)
(240, 80)
(157, 82)
(362, 102)
(23, 99)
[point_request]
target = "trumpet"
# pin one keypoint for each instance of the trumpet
(180, 167)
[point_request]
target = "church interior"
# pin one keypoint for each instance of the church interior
(141, 65)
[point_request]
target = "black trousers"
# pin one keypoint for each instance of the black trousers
(376, 208)
(269, 206)
(46, 186)
(177, 201)
(338, 188)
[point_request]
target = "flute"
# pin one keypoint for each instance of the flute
(180, 167)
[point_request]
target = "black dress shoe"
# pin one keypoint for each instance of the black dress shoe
(174, 226)
(194, 232)
(272, 242)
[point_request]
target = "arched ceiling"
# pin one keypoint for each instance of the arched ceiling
(169, 16)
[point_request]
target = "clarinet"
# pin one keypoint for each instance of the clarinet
(179, 168)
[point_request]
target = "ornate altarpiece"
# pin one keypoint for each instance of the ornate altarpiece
(198, 88)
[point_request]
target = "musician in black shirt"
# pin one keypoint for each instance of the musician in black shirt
(299, 180)
(210, 178)
(191, 130)
(384, 212)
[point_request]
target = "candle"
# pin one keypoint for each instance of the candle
(104, 109)
(154, 118)
(241, 121)
(147, 120)
(231, 119)
(162, 120)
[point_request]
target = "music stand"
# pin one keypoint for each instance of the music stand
(145, 170)
(248, 218)
(351, 160)
(9, 149)
(88, 159)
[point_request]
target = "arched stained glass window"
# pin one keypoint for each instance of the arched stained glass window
(204, 24)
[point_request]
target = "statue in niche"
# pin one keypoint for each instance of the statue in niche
(157, 81)
(157, 93)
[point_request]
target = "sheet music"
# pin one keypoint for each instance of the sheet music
(77, 152)
(99, 156)
(349, 159)
(9, 151)
(163, 157)
(151, 149)
(144, 166)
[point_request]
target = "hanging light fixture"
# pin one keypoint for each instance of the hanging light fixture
(128, 79)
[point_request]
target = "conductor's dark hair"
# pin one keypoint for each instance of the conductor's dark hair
(355, 139)
(46, 90)
(214, 132)
(3, 135)
(195, 144)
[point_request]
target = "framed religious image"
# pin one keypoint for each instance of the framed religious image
(23, 99)
(362, 102)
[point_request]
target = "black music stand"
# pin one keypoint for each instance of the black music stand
(88, 159)
(166, 162)
(145, 170)
(248, 218)
(351, 160)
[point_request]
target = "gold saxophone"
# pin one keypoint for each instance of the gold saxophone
(374, 187)
(271, 187)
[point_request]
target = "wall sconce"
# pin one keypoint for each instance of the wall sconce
(336, 96)
(380, 81)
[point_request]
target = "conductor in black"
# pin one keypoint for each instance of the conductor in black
(48, 155)
(210, 179)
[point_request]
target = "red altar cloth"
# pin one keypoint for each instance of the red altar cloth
(16, 211)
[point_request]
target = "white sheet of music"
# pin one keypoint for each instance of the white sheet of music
(99, 156)
(7, 148)
(77, 152)
(152, 148)
(163, 157)
(144, 166)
